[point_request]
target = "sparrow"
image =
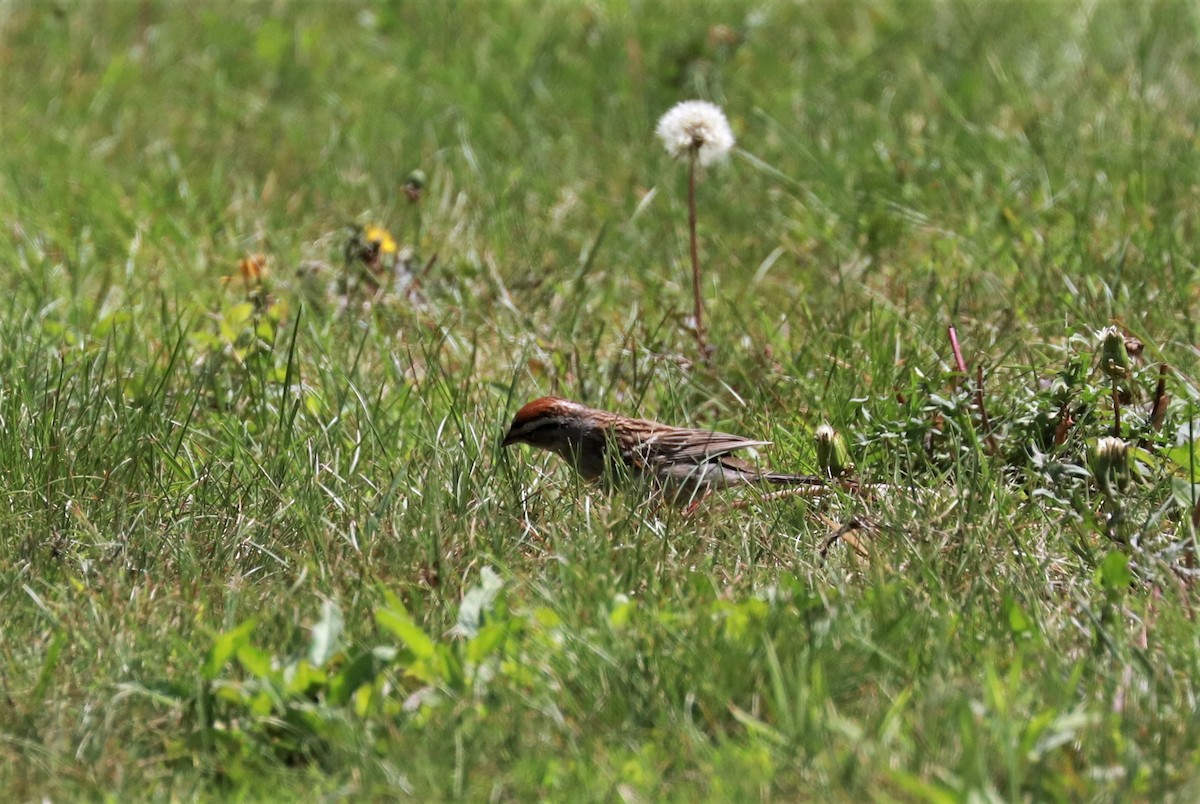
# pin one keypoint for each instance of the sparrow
(683, 464)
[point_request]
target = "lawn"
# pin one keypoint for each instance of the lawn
(278, 276)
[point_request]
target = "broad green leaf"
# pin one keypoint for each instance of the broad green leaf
(238, 314)
(744, 618)
(449, 666)
(232, 693)
(226, 646)
(362, 699)
(1187, 458)
(484, 643)
(262, 704)
(403, 628)
(325, 634)
(547, 617)
(621, 612)
(1033, 730)
(1018, 622)
(256, 662)
(353, 675)
(1185, 493)
(391, 600)
(477, 602)
(922, 790)
(272, 43)
(1113, 572)
(302, 677)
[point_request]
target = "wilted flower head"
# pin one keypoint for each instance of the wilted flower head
(833, 456)
(697, 127)
(253, 269)
(1110, 465)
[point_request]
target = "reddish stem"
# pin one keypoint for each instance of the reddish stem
(988, 437)
(959, 363)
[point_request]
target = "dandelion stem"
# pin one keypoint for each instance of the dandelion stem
(960, 365)
(1116, 396)
(1158, 411)
(698, 301)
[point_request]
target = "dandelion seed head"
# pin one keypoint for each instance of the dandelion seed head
(696, 127)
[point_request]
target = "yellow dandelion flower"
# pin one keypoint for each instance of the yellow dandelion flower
(380, 238)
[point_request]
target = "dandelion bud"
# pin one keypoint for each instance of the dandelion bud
(1110, 465)
(833, 456)
(1114, 357)
(414, 184)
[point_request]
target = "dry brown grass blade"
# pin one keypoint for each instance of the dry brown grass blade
(851, 532)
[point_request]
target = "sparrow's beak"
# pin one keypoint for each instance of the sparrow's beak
(509, 438)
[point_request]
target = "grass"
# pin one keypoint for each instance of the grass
(261, 540)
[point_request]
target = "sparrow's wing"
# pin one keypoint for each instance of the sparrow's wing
(677, 444)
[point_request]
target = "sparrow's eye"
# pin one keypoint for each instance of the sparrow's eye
(534, 430)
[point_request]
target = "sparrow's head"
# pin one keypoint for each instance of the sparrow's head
(546, 423)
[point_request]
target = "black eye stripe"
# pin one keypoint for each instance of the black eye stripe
(539, 425)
